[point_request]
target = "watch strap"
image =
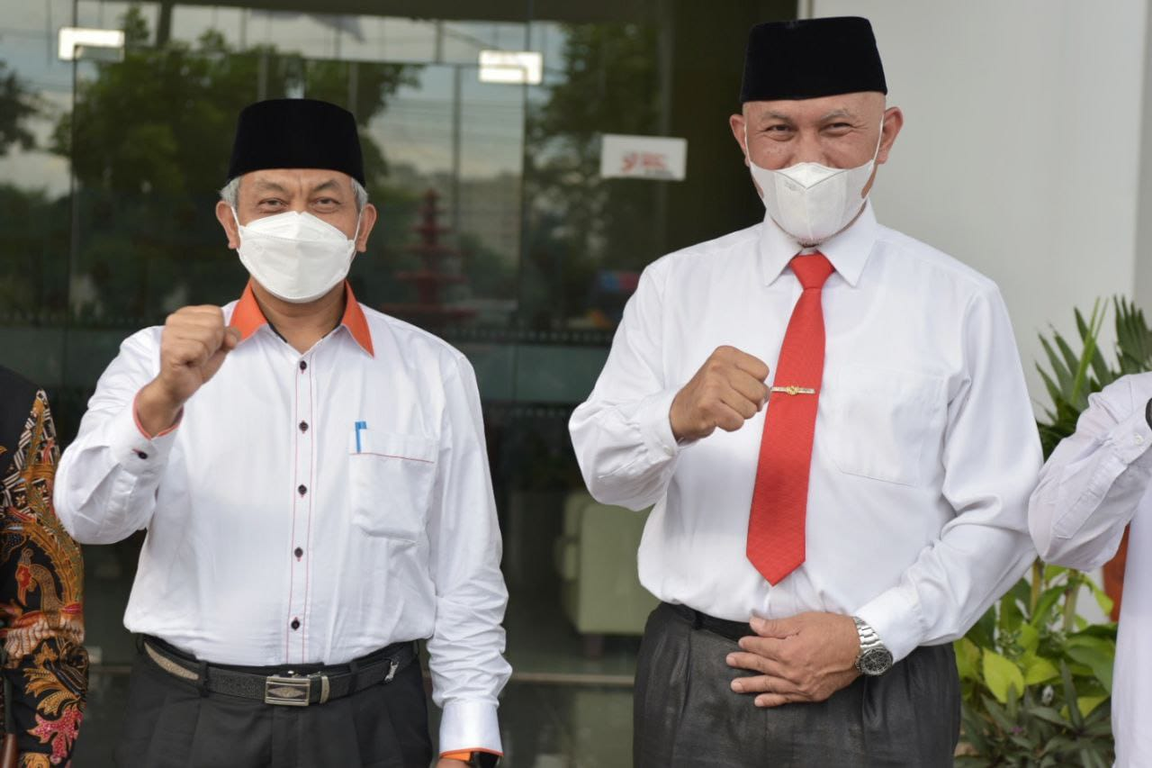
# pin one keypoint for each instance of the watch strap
(868, 637)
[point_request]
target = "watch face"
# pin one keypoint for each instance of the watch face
(876, 662)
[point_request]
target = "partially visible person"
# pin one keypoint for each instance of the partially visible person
(314, 481)
(41, 586)
(831, 421)
(1095, 483)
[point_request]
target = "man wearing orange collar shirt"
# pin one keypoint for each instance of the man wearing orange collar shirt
(314, 482)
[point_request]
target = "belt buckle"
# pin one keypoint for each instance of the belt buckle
(287, 691)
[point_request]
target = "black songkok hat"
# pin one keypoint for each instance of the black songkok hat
(296, 133)
(810, 58)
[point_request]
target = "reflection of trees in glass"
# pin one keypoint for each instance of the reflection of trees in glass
(488, 271)
(149, 140)
(17, 103)
(579, 223)
(33, 228)
(28, 219)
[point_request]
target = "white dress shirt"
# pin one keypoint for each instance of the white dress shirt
(925, 449)
(281, 532)
(1095, 483)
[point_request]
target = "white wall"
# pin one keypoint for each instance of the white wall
(1144, 222)
(1020, 153)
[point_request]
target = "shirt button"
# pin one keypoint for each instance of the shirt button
(303, 426)
(141, 455)
(299, 553)
(302, 489)
(303, 366)
(1139, 440)
(295, 624)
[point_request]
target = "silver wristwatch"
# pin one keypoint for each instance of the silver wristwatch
(874, 659)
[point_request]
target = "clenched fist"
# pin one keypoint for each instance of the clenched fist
(192, 348)
(728, 390)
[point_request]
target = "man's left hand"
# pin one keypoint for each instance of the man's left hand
(807, 657)
(448, 762)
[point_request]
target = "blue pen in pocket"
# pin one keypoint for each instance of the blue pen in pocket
(359, 426)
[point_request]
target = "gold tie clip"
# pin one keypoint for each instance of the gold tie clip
(794, 390)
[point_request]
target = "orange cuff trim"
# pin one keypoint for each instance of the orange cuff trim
(144, 432)
(466, 754)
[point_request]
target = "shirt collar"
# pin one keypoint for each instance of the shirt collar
(848, 251)
(247, 317)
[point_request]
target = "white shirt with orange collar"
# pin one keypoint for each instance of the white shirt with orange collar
(308, 507)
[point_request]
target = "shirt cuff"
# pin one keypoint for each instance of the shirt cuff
(465, 755)
(895, 617)
(470, 726)
(134, 450)
(655, 422)
(1131, 438)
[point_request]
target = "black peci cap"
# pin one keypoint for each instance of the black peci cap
(296, 133)
(810, 58)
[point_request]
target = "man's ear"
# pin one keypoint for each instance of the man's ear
(893, 122)
(367, 221)
(228, 221)
(737, 124)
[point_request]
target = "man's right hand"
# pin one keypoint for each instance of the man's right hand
(192, 348)
(728, 390)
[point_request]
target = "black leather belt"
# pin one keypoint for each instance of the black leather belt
(733, 630)
(284, 686)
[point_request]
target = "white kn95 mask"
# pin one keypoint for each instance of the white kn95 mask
(810, 201)
(297, 257)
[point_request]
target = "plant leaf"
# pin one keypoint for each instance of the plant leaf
(1029, 637)
(1102, 599)
(1043, 615)
(1039, 670)
(1099, 661)
(967, 659)
(1070, 695)
(1089, 703)
(1003, 678)
(1049, 714)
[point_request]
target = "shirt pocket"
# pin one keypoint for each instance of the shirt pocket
(886, 424)
(391, 477)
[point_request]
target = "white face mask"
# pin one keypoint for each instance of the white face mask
(295, 256)
(810, 201)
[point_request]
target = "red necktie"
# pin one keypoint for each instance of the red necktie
(780, 498)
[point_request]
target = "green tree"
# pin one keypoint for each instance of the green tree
(35, 231)
(27, 218)
(17, 104)
(580, 222)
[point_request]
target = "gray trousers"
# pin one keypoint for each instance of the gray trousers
(685, 713)
(170, 723)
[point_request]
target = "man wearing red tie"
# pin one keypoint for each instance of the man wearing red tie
(831, 421)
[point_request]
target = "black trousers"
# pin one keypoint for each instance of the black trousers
(169, 724)
(685, 713)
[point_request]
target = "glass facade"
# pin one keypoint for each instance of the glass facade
(497, 232)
